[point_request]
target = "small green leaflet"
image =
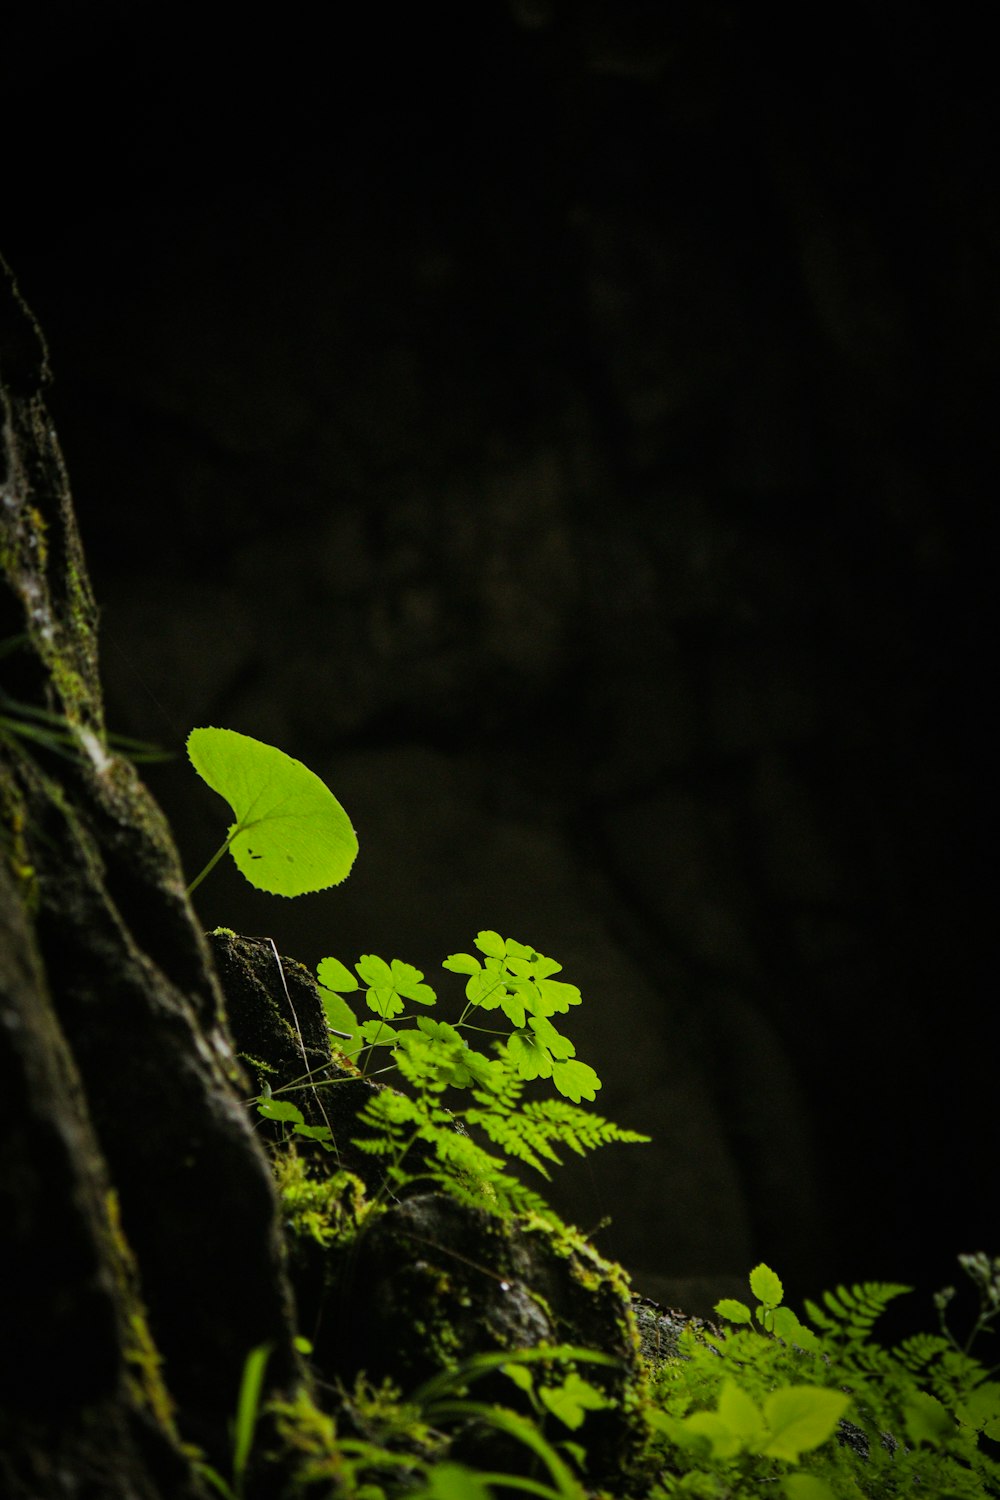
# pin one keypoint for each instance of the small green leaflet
(575, 1080)
(734, 1311)
(291, 835)
(339, 1016)
(334, 978)
(391, 984)
(571, 1401)
(766, 1286)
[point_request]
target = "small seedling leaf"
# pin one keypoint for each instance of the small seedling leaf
(766, 1285)
(575, 1080)
(462, 963)
(571, 1400)
(279, 1109)
(291, 835)
(732, 1310)
(336, 976)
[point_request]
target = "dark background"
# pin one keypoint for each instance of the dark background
(569, 429)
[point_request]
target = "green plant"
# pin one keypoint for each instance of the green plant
(437, 1062)
(825, 1412)
(244, 1426)
(434, 1058)
(291, 835)
(384, 1444)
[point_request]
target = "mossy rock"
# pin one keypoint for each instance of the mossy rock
(277, 1023)
(432, 1281)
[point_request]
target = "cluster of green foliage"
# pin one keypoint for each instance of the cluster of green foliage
(822, 1408)
(766, 1404)
(382, 1445)
(292, 835)
(436, 1062)
(426, 1123)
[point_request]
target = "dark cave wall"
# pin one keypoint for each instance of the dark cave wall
(569, 430)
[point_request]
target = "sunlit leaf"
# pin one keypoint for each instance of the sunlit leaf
(765, 1285)
(291, 835)
(575, 1080)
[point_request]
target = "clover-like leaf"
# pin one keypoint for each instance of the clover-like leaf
(391, 984)
(334, 975)
(377, 1033)
(491, 943)
(291, 835)
(571, 1401)
(530, 1058)
(556, 995)
(408, 982)
(553, 1041)
(512, 1003)
(339, 1015)
(537, 967)
(575, 1080)
(462, 963)
(486, 987)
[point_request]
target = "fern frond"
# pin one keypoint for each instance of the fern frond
(469, 1172)
(459, 1153)
(502, 1195)
(579, 1129)
(851, 1311)
(516, 1135)
(920, 1349)
(505, 1091)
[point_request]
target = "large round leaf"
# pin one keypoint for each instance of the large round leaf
(291, 835)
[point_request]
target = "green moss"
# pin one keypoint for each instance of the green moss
(40, 529)
(322, 1209)
(144, 1381)
(376, 1440)
(13, 824)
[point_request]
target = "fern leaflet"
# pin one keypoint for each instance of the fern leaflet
(851, 1311)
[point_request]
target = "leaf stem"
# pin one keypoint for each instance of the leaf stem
(196, 882)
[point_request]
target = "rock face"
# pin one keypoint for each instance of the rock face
(139, 1209)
